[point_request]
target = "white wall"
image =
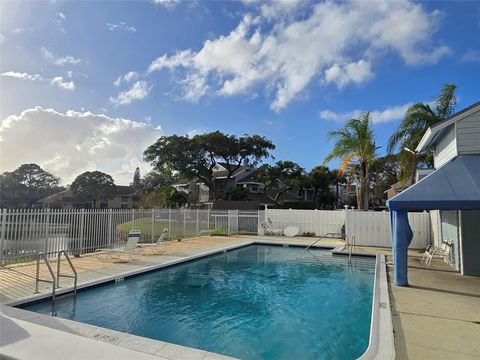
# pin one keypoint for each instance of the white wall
(446, 148)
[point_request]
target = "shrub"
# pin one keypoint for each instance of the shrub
(220, 230)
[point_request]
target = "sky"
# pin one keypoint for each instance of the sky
(89, 85)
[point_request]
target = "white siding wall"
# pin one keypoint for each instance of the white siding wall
(446, 148)
(468, 134)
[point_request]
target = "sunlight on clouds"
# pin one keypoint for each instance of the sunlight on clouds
(70, 143)
(131, 75)
(138, 91)
(65, 85)
(378, 116)
(337, 42)
(22, 76)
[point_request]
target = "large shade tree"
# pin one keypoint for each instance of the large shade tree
(355, 145)
(196, 158)
(26, 185)
(281, 177)
(418, 118)
(94, 185)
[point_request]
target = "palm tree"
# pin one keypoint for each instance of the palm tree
(418, 118)
(354, 144)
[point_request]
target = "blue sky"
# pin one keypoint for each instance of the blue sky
(116, 75)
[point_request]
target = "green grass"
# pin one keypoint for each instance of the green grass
(177, 229)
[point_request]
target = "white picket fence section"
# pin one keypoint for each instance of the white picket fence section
(373, 228)
(308, 221)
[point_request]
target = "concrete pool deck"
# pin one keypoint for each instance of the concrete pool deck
(437, 317)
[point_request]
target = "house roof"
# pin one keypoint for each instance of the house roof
(434, 132)
(454, 186)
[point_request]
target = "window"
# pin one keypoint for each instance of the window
(124, 206)
(125, 198)
(254, 188)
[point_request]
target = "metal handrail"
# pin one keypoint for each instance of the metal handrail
(37, 276)
(320, 238)
(74, 276)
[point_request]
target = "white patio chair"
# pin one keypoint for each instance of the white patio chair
(444, 251)
(160, 244)
(269, 229)
(129, 250)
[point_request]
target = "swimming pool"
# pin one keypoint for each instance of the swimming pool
(255, 302)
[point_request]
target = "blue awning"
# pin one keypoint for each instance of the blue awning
(454, 186)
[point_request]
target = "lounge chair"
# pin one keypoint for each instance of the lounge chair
(269, 229)
(161, 243)
(443, 251)
(128, 251)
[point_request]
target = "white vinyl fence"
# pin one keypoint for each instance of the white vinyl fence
(370, 228)
(319, 222)
(26, 232)
(373, 228)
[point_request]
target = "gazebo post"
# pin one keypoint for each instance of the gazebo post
(401, 238)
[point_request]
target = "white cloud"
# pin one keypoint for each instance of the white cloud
(131, 75)
(471, 56)
(59, 19)
(70, 143)
(21, 30)
(57, 81)
(356, 72)
(22, 76)
(121, 26)
(378, 116)
(62, 84)
(138, 91)
(49, 56)
(168, 4)
(333, 41)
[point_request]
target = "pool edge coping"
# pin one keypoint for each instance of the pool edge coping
(379, 347)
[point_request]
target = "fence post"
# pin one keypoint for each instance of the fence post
(228, 222)
(47, 232)
(208, 219)
(2, 236)
(169, 224)
(197, 223)
(184, 221)
(109, 227)
(153, 225)
(82, 221)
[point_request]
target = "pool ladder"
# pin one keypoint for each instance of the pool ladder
(55, 280)
(320, 238)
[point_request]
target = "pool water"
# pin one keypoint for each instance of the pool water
(256, 302)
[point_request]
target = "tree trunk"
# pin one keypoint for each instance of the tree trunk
(362, 194)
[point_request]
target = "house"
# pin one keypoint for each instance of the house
(245, 178)
(67, 200)
(452, 191)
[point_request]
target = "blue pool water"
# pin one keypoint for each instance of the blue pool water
(256, 302)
